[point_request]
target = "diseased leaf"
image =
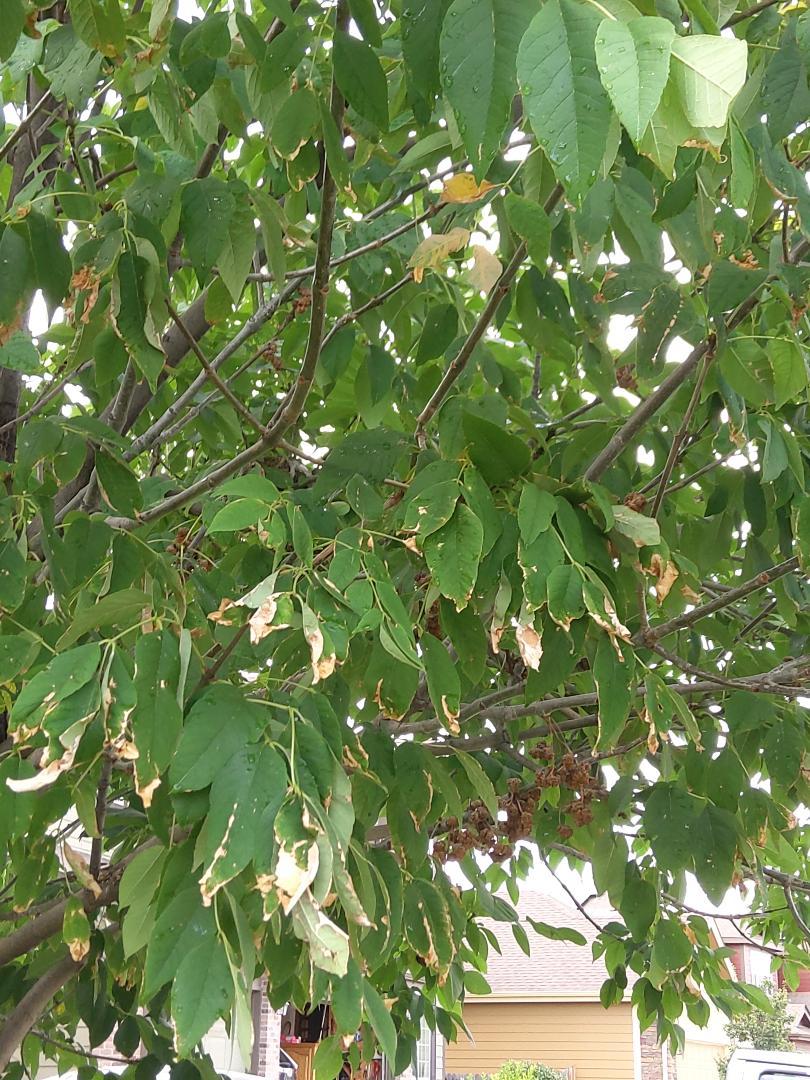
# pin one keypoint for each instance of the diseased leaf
(433, 251)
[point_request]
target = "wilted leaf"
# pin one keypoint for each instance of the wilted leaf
(434, 250)
(486, 268)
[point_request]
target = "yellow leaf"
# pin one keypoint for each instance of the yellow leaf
(434, 250)
(485, 270)
(464, 188)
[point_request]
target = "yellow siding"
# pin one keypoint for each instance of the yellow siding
(598, 1043)
(699, 1061)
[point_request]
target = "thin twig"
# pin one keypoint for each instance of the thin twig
(24, 125)
(680, 435)
(755, 9)
(220, 384)
(97, 847)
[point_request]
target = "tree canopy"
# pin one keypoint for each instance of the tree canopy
(404, 410)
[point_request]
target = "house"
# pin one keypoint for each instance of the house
(545, 1007)
(752, 963)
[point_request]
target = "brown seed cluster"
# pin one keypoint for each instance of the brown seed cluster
(626, 377)
(497, 839)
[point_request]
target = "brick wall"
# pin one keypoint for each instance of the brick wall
(656, 1063)
(267, 1034)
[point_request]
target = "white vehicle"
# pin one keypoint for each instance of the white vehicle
(164, 1074)
(287, 1069)
(768, 1065)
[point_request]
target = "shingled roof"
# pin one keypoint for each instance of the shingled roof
(556, 970)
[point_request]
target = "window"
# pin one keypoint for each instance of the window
(429, 1055)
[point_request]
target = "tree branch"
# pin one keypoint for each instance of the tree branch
(213, 376)
(32, 1006)
(499, 291)
(689, 618)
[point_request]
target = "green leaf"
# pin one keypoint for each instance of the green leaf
(219, 724)
(99, 24)
(365, 15)
(328, 1059)
(124, 608)
(208, 208)
(432, 508)
(715, 840)
(642, 530)
(669, 820)
(239, 514)
(421, 22)
(132, 294)
(613, 675)
(361, 79)
(118, 483)
(535, 512)
(247, 789)
(499, 455)
(531, 223)
(789, 370)
(380, 1019)
(453, 553)
(438, 332)
(295, 123)
(639, 906)
(202, 992)
(671, 948)
(442, 679)
(565, 602)
(64, 675)
(15, 272)
(180, 925)
(476, 984)
(50, 262)
(156, 719)
(347, 1000)
(633, 60)
(13, 575)
(16, 654)
(481, 783)
(171, 116)
(19, 353)
(709, 72)
(563, 95)
(234, 260)
(76, 929)
(207, 38)
(479, 41)
(11, 26)
(557, 933)
(783, 750)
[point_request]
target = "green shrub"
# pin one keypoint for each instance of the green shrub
(526, 1070)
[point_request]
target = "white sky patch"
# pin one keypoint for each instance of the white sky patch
(620, 332)
(677, 350)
